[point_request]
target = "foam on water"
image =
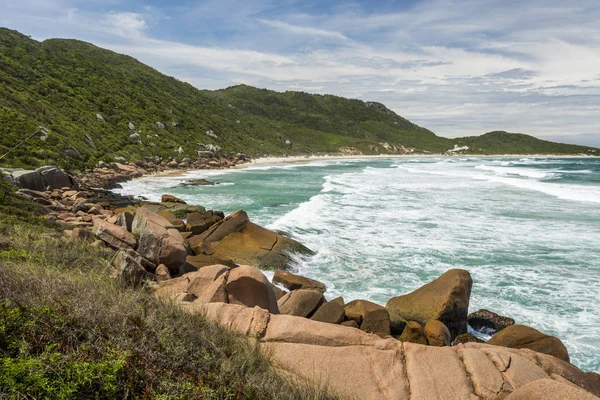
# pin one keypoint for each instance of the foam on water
(385, 227)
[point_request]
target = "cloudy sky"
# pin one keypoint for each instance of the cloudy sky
(457, 67)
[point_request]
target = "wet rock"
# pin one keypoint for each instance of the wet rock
(487, 321)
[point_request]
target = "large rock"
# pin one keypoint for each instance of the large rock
(238, 240)
(353, 364)
(294, 282)
(445, 299)
(437, 334)
(113, 235)
(330, 312)
(300, 303)
(247, 286)
(158, 241)
(524, 337)
(371, 317)
(29, 180)
(169, 198)
(484, 320)
(56, 178)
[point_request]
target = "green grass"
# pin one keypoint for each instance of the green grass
(70, 331)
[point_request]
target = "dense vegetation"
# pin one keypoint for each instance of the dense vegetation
(70, 331)
(76, 101)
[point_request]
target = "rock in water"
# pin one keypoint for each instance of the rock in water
(445, 299)
(240, 241)
(294, 282)
(483, 320)
(524, 337)
(158, 241)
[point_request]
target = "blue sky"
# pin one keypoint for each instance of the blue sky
(456, 67)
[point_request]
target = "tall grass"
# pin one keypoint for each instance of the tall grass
(70, 331)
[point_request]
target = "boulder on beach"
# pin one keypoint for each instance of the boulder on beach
(525, 337)
(445, 299)
(240, 241)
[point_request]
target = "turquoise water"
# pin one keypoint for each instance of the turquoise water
(527, 229)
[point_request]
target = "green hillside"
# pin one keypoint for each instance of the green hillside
(77, 101)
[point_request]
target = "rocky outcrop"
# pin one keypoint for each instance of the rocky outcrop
(487, 321)
(524, 337)
(354, 364)
(445, 299)
(48, 177)
(238, 240)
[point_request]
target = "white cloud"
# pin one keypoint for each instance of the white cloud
(302, 30)
(127, 24)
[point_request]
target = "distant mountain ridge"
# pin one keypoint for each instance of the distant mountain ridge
(83, 104)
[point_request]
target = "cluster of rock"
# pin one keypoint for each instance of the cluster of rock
(109, 175)
(313, 340)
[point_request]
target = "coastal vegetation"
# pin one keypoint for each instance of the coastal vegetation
(72, 104)
(69, 330)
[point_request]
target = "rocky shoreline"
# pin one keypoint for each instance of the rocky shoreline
(416, 347)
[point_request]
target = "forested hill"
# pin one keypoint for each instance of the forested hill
(81, 104)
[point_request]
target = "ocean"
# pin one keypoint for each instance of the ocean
(527, 229)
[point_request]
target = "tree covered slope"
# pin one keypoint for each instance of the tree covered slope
(81, 104)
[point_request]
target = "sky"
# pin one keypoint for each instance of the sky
(457, 67)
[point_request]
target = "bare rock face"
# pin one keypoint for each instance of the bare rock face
(294, 282)
(239, 241)
(168, 198)
(300, 303)
(445, 299)
(524, 337)
(113, 235)
(371, 317)
(437, 334)
(247, 286)
(158, 241)
(203, 278)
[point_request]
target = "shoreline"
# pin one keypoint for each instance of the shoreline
(276, 160)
